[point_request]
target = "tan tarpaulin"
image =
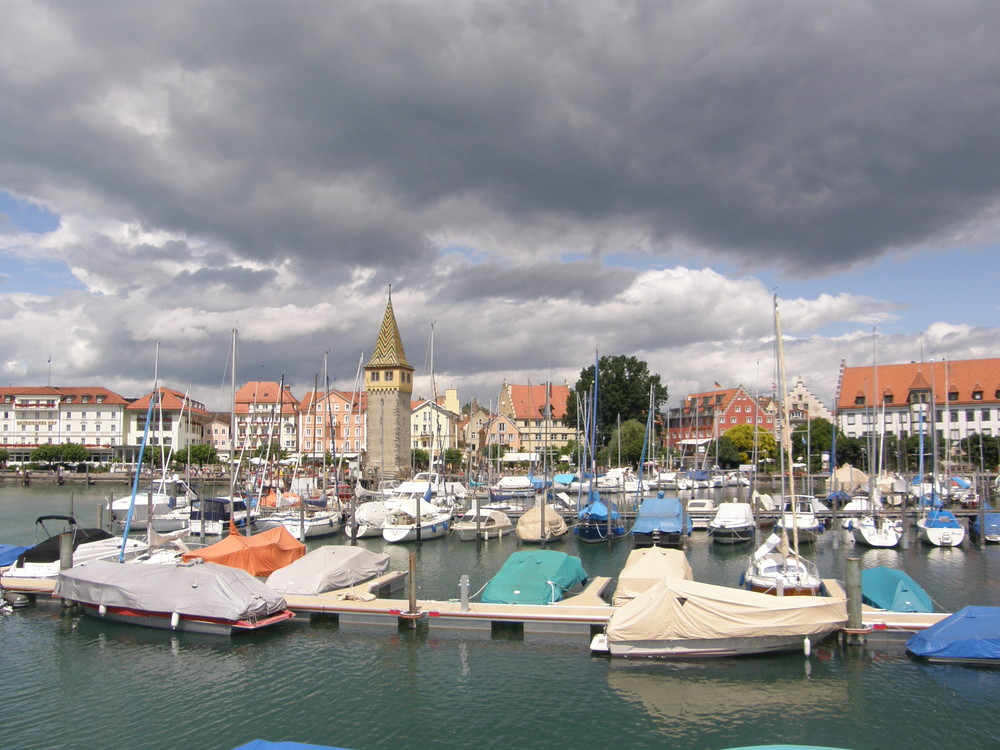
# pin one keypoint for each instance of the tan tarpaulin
(529, 525)
(644, 568)
(259, 555)
(676, 609)
(848, 479)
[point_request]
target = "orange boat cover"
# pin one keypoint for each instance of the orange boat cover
(259, 555)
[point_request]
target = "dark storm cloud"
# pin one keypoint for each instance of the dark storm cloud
(345, 135)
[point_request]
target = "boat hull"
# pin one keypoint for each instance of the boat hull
(707, 648)
(732, 534)
(880, 536)
(469, 534)
(673, 539)
(597, 532)
(408, 532)
(184, 623)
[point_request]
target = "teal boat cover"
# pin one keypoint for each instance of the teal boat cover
(970, 635)
(534, 577)
(893, 590)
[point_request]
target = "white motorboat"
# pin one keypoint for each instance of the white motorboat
(701, 511)
(733, 523)
(415, 520)
(159, 498)
(800, 517)
(485, 523)
(313, 524)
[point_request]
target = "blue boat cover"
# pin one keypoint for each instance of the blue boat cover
(597, 509)
(991, 523)
(9, 553)
(534, 577)
(942, 519)
(893, 590)
(662, 514)
(971, 634)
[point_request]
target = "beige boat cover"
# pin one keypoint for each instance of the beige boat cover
(848, 479)
(676, 609)
(529, 525)
(644, 568)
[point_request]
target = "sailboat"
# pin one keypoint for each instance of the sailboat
(599, 520)
(776, 568)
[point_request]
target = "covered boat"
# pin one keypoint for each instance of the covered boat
(259, 555)
(970, 636)
(485, 523)
(201, 598)
(678, 618)
(940, 528)
(733, 524)
(369, 517)
(530, 527)
(891, 589)
(333, 566)
(661, 522)
(646, 567)
(599, 521)
(534, 577)
(986, 527)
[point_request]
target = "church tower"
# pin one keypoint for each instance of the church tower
(389, 383)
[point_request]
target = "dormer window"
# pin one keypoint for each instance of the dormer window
(953, 395)
(859, 400)
(977, 395)
(887, 398)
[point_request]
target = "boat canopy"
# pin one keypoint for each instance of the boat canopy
(729, 514)
(893, 590)
(195, 590)
(534, 577)
(333, 566)
(529, 525)
(678, 609)
(647, 566)
(659, 514)
(259, 555)
(971, 634)
(597, 509)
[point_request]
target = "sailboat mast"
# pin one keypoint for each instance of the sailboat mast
(786, 433)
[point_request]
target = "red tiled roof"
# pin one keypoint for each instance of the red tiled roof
(169, 399)
(528, 401)
(962, 377)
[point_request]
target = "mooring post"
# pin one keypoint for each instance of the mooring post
(855, 627)
(413, 587)
(66, 558)
(463, 592)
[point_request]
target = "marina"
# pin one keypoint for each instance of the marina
(365, 659)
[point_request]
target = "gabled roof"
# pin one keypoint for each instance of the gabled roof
(170, 400)
(265, 392)
(389, 345)
(358, 398)
(961, 377)
(75, 393)
(528, 401)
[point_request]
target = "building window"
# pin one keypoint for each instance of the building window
(986, 414)
(388, 377)
(375, 377)
(887, 398)
(953, 395)
(977, 395)
(859, 400)
(850, 419)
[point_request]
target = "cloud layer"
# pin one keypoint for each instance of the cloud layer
(536, 180)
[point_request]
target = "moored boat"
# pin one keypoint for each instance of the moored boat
(733, 524)
(200, 598)
(940, 528)
(485, 523)
(661, 522)
(534, 529)
(327, 568)
(970, 636)
(534, 577)
(776, 569)
(646, 567)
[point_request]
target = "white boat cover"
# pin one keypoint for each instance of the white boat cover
(193, 589)
(677, 610)
(733, 514)
(371, 513)
(646, 567)
(486, 516)
(333, 566)
(529, 525)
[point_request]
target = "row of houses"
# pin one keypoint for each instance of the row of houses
(954, 399)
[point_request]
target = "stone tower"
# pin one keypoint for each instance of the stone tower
(389, 383)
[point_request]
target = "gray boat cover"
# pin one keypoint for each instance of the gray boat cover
(333, 566)
(646, 567)
(677, 610)
(193, 589)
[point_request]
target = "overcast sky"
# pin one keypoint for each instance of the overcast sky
(536, 180)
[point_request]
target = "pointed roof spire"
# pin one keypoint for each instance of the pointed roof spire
(389, 346)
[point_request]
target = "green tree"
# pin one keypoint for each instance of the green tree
(742, 438)
(197, 455)
(627, 442)
(814, 438)
(727, 457)
(623, 392)
(73, 453)
(152, 457)
(494, 450)
(272, 452)
(453, 458)
(4, 456)
(45, 454)
(420, 459)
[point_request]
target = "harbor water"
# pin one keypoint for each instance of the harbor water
(71, 682)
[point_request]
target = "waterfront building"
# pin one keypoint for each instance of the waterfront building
(704, 417)
(435, 424)
(32, 416)
(955, 399)
(176, 421)
(804, 406)
(266, 413)
(216, 433)
(538, 413)
(332, 422)
(500, 430)
(389, 385)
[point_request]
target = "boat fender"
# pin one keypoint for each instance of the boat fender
(175, 620)
(807, 647)
(743, 579)
(103, 610)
